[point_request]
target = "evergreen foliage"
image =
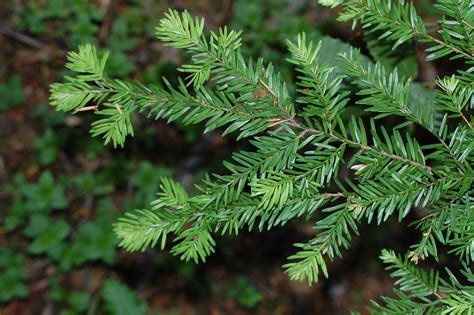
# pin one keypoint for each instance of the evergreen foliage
(303, 143)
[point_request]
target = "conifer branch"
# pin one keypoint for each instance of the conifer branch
(297, 152)
(399, 22)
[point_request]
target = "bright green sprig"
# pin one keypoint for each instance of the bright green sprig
(457, 28)
(424, 293)
(397, 21)
(87, 62)
(321, 89)
(385, 93)
(455, 98)
(221, 57)
(334, 232)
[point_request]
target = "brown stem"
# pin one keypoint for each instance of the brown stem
(25, 39)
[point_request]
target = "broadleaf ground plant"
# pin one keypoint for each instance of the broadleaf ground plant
(305, 145)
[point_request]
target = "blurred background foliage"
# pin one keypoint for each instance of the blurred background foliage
(61, 190)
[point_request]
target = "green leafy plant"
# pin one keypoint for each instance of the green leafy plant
(79, 14)
(79, 21)
(119, 299)
(78, 303)
(92, 242)
(12, 92)
(44, 195)
(304, 143)
(47, 146)
(12, 275)
(244, 292)
(47, 236)
(55, 241)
